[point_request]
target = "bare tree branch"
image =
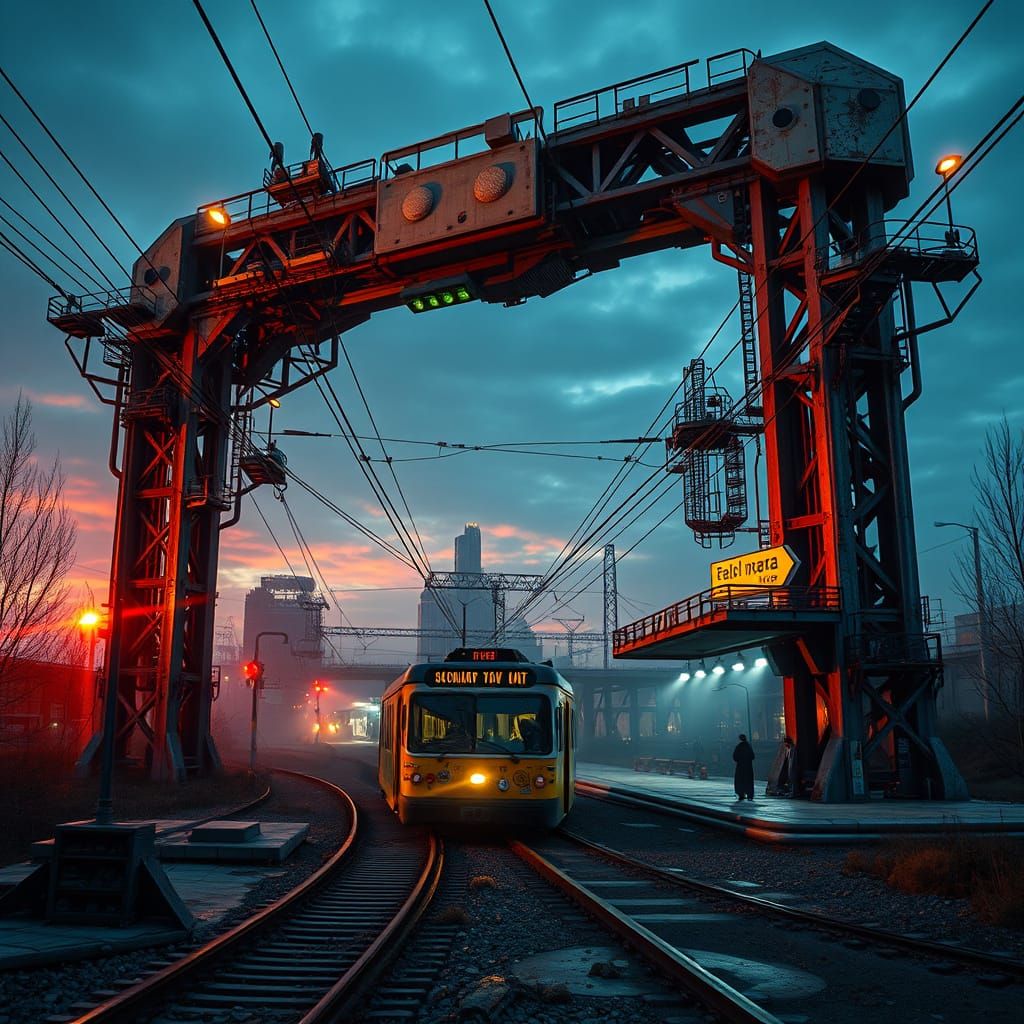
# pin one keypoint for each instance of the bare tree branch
(37, 550)
(999, 492)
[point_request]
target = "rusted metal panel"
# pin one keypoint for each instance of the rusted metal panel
(459, 198)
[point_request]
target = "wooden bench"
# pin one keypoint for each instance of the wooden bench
(671, 766)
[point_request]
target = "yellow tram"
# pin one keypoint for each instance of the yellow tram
(484, 736)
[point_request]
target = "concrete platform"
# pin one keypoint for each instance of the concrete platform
(263, 842)
(242, 842)
(205, 874)
(208, 890)
(773, 819)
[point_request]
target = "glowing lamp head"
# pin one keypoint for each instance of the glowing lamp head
(478, 778)
(316, 727)
(719, 670)
(700, 673)
(684, 677)
(88, 620)
(761, 663)
(948, 164)
(218, 216)
(738, 666)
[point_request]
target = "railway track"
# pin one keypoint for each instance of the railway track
(945, 951)
(696, 945)
(309, 954)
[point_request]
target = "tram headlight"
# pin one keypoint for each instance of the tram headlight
(478, 778)
(503, 784)
(540, 782)
(416, 778)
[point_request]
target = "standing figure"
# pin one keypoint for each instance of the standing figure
(743, 755)
(789, 767)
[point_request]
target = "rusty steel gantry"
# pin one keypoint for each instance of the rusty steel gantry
(785, 165)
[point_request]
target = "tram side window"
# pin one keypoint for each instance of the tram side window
(558, 726)
(389, 711)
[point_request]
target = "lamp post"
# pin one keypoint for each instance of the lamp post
(979, 598)
(274, 404)
(89, 623)
(257, 685)
(945, 168)
(746, 693)
(472, 600)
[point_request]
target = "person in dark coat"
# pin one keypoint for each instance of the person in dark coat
(743, 755)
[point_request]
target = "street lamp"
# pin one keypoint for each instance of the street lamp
(274, 403)
(945, 169)
(89, 623)
(979, 597)
(218, 216)
(746, 693)
(472, 600)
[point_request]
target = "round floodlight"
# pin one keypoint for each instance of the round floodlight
(491, 184)
(761, 663)
(738, 666)
(417, 204)
(700, 673)
(719, 670)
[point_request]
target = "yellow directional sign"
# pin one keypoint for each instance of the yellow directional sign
(759, 570)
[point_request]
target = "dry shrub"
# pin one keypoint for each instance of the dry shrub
(999, 899)
(483, 882)
(453, 915)
(861, 862)
(930, 869)
(990, 872)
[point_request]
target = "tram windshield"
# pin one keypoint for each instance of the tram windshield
(463, 723)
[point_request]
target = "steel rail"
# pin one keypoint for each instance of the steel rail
(124, 1005)
(239, 809)
(880, 936)
(378, 955)
(730, 1005)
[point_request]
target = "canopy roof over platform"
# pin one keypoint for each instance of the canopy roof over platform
(726, 619)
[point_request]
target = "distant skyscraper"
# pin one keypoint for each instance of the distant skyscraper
(467, 550)
(473, 606)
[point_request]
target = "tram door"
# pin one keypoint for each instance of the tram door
(397, 712)
(390, 753)
(565, 711)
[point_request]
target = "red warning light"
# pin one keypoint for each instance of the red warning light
(253, 672)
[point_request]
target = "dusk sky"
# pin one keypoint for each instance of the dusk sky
(140, 98)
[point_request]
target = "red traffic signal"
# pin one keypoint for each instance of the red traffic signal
(253, 672)
(319, 687)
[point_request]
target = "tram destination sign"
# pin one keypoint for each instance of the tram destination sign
(759, 570)
(487, 677)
